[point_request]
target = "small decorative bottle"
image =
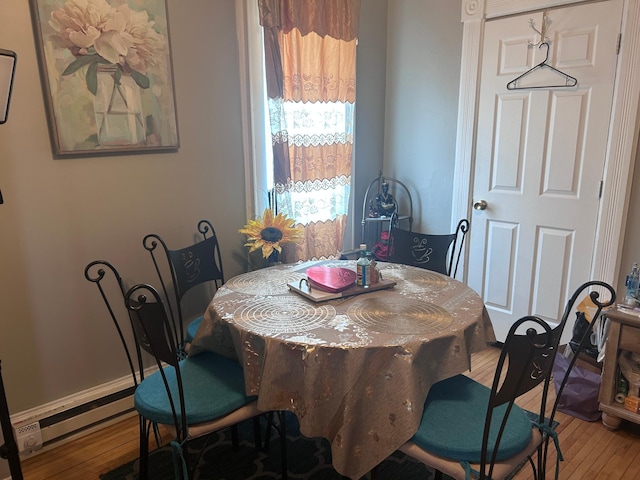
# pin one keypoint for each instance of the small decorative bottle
(363, 265)
(632, 286)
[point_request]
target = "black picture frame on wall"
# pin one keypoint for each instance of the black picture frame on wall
(108, 87)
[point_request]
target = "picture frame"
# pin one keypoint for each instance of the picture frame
(108, 86)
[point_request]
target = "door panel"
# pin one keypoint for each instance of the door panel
(501, 245)
(554, 247)
(563, 160)
(510, 140)
(539, 159)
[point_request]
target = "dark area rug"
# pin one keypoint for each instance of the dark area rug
(307, 458)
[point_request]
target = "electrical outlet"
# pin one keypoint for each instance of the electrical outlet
(28, 437)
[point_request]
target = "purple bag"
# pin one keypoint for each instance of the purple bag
(580, 395)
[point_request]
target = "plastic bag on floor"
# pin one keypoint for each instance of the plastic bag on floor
(580, 395)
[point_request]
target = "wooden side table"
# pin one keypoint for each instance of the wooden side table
(624, 334)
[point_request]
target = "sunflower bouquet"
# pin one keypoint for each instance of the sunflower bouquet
(269, 233)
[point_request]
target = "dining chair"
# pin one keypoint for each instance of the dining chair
(440, 253)
(213, 386)
(469, 430)
(180, 270)
(202, 393)
(112, 289)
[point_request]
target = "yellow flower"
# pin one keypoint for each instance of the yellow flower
(269, 232)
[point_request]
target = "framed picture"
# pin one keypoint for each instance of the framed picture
(107, 75)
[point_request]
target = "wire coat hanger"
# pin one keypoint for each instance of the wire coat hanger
(569, 80)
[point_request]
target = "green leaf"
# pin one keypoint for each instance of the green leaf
(117, 75)
(140, 79)
(80, 62)
(92, 78)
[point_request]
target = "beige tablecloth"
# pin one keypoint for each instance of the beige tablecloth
(355, 370)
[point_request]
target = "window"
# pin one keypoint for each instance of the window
(310, 80)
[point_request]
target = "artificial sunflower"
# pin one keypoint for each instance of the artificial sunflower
(269, 233)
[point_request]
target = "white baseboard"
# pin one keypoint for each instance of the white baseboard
(59, 432)
(57, 442)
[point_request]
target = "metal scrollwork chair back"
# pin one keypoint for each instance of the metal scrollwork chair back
(201, 394)
(213, 385)
(469, 430)
(112, 289)
(440, 253)
(180, 270)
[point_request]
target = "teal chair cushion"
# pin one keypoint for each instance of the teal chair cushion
(453, 422)
(213, 387)
(192, 328)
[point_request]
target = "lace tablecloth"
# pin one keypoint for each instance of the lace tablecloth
(354, 370)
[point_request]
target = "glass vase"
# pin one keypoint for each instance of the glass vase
(257, 261)
(118, 108)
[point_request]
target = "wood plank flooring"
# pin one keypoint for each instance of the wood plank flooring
(590, 450)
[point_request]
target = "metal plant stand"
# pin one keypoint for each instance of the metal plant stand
(374, 221)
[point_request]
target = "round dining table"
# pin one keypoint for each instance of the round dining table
(354, 370)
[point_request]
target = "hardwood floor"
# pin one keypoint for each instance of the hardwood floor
(590, 450)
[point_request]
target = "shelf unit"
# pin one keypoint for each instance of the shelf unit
(624, 334)
(373, 226)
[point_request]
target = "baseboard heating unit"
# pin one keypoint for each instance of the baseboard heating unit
(43, 427)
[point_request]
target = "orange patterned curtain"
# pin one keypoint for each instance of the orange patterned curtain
(310, 62)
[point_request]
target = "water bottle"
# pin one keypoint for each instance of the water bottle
(363, 266)
(632, 286)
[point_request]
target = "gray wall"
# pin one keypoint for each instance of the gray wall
(60, 214)
(370, 104)
(423, 72)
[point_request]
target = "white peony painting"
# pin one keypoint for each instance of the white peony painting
(106, 68)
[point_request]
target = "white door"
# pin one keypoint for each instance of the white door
(539, 160)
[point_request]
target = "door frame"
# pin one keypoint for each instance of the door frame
(623, 128)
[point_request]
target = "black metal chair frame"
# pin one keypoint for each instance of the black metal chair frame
(594, 294)
(530, 360)
(154, 334)
(206, 252)
(450, 245)
(9, 450)
(96, 272)
(526, 361)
